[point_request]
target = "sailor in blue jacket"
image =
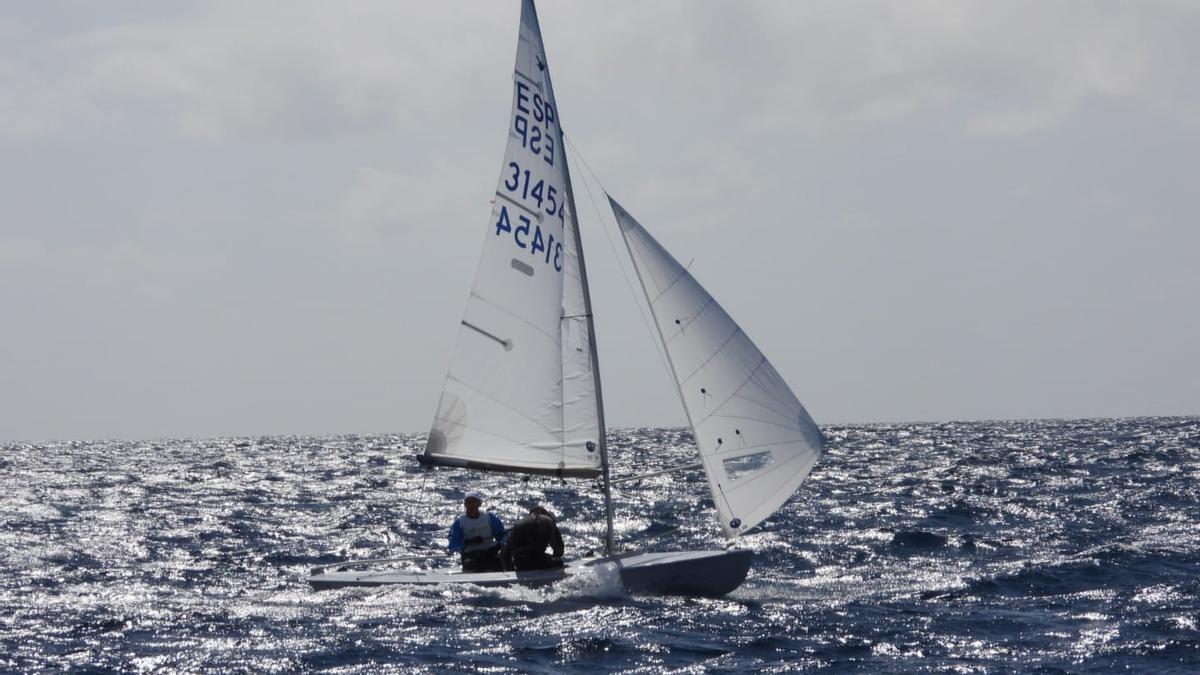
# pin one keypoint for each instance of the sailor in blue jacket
(478, 535)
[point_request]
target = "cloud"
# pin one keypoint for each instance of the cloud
(31, 107)
(373, 203)
(235, 70)
(28, 265)
(384, 203)
(307, 70)
(1011, 67)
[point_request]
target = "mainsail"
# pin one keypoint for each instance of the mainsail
(756, 441)
(521, 394)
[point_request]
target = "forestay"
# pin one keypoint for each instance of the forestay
(756, 441)
(520, 394)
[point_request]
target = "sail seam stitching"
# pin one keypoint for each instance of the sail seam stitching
(761, 360)
(506, 405)
(781, 413)
(712, 356)
(682, 274)
(754, 419)
(711, 301)
(493, 305)
(449, 422)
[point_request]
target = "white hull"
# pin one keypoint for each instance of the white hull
(709, 573)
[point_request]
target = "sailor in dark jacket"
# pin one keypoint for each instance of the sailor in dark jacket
(525, 548)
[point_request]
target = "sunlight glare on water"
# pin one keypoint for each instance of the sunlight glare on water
(976, 546)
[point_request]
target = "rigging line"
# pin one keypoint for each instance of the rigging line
(681, 467)
(660, 535)
(658, 348)
(424, 494)
(579, 159)
(728, 507)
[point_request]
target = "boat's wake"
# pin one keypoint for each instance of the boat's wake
(594, 582)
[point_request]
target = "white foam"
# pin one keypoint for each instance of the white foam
(600, 582)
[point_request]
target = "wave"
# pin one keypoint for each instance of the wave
(918, 540)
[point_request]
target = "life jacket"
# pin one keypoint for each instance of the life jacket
(477, 527)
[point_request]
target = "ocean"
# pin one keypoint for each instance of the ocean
(1021, 546)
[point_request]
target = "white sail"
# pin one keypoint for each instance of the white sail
(756, 441)
(582, 405)
(521, 393)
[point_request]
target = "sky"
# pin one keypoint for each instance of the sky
(244, 218)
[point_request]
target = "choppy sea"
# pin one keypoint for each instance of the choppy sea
(1028, 546)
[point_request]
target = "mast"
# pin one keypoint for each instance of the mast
(593, 356)
(595, 359)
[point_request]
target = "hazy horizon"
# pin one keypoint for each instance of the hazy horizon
(337, 434)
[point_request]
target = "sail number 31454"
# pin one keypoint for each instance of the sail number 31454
(551, 251)
(545, 194)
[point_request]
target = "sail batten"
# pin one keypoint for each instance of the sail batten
(730, 391)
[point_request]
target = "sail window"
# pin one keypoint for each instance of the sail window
(740, 467)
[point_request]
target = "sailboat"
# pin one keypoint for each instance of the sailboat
(523, 394)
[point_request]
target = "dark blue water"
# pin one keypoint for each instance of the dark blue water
(1045, 546)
